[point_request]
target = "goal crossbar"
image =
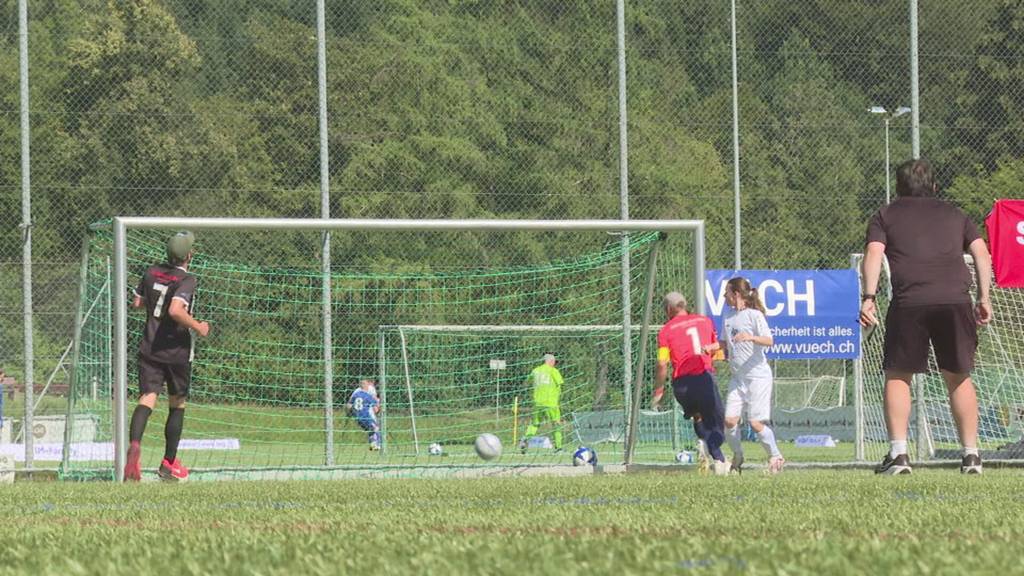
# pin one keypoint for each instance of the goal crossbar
(620, 226)
(530, 328)
(122, 224)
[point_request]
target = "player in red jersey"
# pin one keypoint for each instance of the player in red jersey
(688, 341)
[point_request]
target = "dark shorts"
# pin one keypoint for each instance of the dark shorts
(153, 375)
(368, 424)
(950, 328)
(698, 394)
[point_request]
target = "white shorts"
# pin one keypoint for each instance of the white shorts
(752, 395)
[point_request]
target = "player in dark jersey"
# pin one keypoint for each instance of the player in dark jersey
(166, 291)
(688, 341)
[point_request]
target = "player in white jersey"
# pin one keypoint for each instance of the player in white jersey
(748, 338)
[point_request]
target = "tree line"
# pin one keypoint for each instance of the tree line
(504, 109)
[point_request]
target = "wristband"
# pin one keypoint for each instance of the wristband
(867, 297)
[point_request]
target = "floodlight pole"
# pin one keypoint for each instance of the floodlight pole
(880, 110)
(915, 91)
(627, 306)
(325, 254)
(737, 213)
(887, 193)
(26, 230)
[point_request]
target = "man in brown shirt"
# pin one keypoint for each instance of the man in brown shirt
(925, 239)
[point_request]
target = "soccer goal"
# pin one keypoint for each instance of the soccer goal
(821, 392)
(998, 378)
(446, 317)
(489, 373)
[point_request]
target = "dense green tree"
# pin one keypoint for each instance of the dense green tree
(487, 109)
(976, 194)
(989, 113)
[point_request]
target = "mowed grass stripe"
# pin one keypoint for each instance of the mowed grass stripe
(803, 522)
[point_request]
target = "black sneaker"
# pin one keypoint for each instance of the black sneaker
(892, 466)
(522, 446)
(971, 464)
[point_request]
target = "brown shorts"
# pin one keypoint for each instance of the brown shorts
(152, 376)
(950, 328)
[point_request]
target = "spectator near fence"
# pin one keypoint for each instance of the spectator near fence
(925, 239)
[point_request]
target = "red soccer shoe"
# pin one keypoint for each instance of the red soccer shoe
(172, 471)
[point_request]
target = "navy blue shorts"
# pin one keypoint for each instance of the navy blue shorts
(698, 394)
(368, 424)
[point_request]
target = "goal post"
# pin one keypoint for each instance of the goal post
(414, 231)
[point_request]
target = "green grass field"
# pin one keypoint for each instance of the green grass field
(801, 522)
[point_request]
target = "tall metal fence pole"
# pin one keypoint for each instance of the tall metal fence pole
(915, 92)
(887, 190)
(325, 212)
(627, 307)
(26, 230)
(737, 234)
(119, 301)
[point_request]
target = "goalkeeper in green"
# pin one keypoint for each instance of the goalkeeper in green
(547, 388)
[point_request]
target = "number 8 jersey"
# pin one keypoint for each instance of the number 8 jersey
(163, 339)
(682, 340)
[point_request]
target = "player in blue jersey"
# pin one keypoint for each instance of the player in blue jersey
(364, 405)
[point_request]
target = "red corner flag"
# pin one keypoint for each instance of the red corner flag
(1006, 239)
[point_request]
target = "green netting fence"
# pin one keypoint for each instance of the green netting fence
(448, 323)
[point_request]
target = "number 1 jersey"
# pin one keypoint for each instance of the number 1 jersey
(163, 339)
(682, 340)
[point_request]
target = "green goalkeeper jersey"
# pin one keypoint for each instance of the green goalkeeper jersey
(547, 386)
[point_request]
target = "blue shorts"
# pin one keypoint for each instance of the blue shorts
(368, 424)
(698, 394)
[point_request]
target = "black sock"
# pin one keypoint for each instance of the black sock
(172, 432)
(139, 418)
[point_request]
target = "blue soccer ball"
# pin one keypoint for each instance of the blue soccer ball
(584, 456)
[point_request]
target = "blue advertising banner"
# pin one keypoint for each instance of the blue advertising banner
(812, 313)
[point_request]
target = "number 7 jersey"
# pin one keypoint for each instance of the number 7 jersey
(682, 340)
(163, 339)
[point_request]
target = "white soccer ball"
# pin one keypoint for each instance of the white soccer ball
(584, 456)
(684, 457)
(487, 446)
(435, 449)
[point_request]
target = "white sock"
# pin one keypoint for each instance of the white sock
(972, 451)
(767, 438)
(732, 435)
(897, 447)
